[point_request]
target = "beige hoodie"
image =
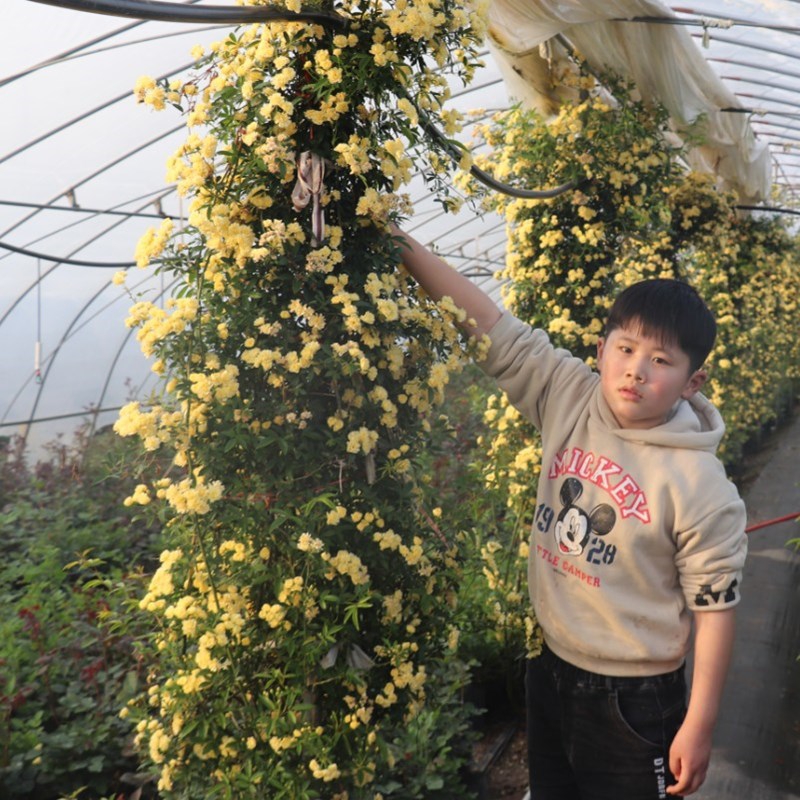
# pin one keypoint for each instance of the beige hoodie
(633, 528)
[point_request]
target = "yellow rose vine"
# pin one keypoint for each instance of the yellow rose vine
(638, 213)
(306, 629)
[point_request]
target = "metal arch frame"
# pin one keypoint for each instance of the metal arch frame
(756, 208)
(754, 65)
(154, 10)
(92, 176)
(750, 96)
(65, 336)
(781, 126)
(704, 22)
(69, 415)
(95, 212)
(59, 261)
(81, 117)
(50, 358)
(72, 51)
(755, 81)
(40, 278)
(77, 51)
(68, 261)
(739, 43)
(114, 361)
(57, 60)
(175, 12)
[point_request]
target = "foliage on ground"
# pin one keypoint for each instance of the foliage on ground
(72, 566)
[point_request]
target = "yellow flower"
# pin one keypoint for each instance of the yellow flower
(336, 515)
(349, 564)
(309, 544)
(147, 91)
(273, 614)
(152, 244)
(327, 774)
(194, 496)
(362, 440)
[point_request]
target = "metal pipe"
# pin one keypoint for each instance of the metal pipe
(93, 211)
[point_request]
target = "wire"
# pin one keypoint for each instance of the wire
(72, 56)
(74, 52)
(752, 65)
(762, 112)
(72, 415)
(705, 23)
(740, 43)
(85, 115)
(99, 171)
(728, 21)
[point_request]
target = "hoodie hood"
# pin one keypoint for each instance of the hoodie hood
(695, 424)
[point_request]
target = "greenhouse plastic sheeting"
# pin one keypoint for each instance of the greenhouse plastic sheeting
(674, 71)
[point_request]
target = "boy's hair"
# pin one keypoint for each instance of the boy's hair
(669, 310)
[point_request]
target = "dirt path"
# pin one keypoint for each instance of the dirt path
(757, 743)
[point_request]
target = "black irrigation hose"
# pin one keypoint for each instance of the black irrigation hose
(176, 12)
(778, 209)
(525, 193)
(456, 152)
(70, 261)
(173, 12)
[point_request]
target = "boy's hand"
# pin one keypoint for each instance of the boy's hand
(688, 759)
(691, 747)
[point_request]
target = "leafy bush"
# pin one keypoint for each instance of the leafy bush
(71, 566)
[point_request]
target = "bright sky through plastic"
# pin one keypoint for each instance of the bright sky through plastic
(88, 357)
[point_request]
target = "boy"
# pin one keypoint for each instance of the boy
(636, 527)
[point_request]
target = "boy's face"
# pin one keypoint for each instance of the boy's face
(642, 377)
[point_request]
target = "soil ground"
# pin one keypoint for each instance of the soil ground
(508, 778)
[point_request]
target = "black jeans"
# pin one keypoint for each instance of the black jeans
(595, 737)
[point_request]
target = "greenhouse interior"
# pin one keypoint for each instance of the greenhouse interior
(274, 499)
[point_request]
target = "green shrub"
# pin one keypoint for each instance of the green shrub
(71, 567)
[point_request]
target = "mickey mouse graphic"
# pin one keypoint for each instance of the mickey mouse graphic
(574, 526)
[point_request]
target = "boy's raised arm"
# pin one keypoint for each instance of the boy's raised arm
(438, 279)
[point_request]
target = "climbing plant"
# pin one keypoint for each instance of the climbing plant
(306, 638)
(638, 213)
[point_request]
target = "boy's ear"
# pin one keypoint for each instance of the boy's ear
(694, 384)
(601, 343)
